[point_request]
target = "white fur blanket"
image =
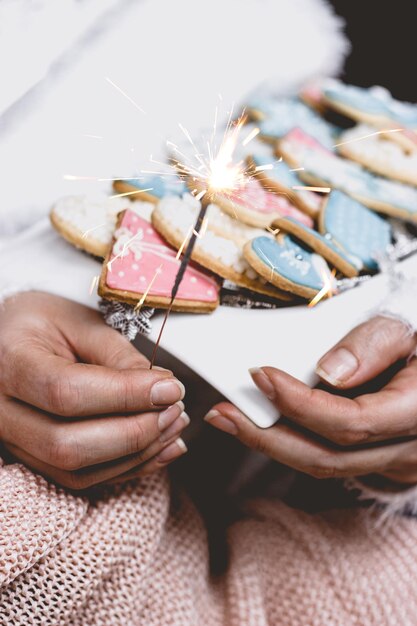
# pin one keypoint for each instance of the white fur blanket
(172, 59)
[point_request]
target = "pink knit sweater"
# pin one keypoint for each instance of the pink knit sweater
(138, 555)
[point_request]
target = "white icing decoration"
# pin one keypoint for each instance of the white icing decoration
(95, 217)
(181, 214)
(302, 266)
(379, 151)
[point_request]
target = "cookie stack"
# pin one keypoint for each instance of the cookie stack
(317, 206)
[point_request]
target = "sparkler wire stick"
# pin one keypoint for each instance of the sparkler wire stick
(205, 201)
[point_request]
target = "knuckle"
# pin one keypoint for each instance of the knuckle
(14, 375)
(136, 436)
(259, 443)
(61, 395)
(325, 467)
(128, 390)
(76, 481)
(64, 450)
(354, 434)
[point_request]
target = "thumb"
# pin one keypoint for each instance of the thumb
(365, 352)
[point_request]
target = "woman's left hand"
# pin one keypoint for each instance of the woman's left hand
(340, 436)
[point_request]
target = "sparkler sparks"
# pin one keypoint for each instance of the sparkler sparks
(254, 133)
(310, 188)
(120, 90)
(378, 132)
(326, 290)
(263, 168)
(211, 173)
(93, 136)
(93, 284)
(273, 231)
(90, 230)
(131, 193)
(149, 287)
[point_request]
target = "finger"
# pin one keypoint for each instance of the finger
(85, 478)
(365, 352)
(388, 413)
(408, 477)
(96, 343)
(298, 451)
(68, 389)
(173, 451)
(71, 445)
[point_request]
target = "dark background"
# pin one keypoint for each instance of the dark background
(383, 35)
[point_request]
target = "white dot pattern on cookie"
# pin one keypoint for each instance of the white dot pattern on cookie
(360, 231)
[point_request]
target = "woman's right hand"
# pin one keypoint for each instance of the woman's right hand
(78, 403)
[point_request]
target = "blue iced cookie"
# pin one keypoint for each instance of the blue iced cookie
(361, 232)
(288, 265)
(374, 104)
(328, 247)
(277, 176)
(151, 187)
(290, 113)
(383, 195)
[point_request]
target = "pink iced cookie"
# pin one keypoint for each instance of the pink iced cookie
(254, 205)
(141, 262)
(296, 144)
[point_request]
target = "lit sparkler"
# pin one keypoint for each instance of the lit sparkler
(211, 173)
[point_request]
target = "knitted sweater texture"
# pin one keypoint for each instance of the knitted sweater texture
(138, 555)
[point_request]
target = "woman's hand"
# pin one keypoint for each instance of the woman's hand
(340, 436)
(78, 403)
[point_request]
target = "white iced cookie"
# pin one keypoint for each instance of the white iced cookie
(379, 153)
(89, 222)
(174, 219)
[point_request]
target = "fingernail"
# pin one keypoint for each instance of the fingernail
(337, 366)
(216, 419)
(171, 452)
(176, 427)
(262, 381)
(167, 417)
(167, 391)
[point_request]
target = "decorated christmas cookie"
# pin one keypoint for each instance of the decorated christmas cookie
(141, 268)
(322, 168)
(150, 187)
(88, 223)
(379, 153)
(288, 265)
(359, 231)
(373, 105)
(278, 117)
(326, 246)
(312, 95)
(275, 175)
(255, 206)
(174, 219)
(296, 145)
